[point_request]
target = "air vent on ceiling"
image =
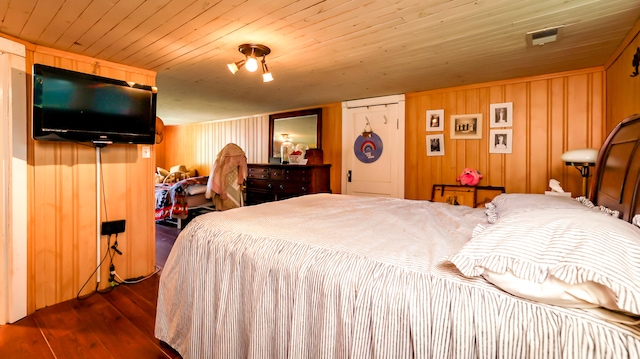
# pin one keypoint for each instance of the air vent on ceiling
(544, 36)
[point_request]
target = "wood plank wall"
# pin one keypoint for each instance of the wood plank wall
(332, 142)
(551, 114)
(623, 90)
(62, 213)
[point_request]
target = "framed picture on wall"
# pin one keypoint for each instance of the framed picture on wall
(435, 120)
(501, 114)
(501, 141)
(435, 145)
(465, 127)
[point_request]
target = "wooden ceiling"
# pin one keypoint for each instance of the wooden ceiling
(321, 51)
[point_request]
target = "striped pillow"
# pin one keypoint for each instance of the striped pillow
(511, 203)
(573, 246)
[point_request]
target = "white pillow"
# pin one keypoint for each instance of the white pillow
(162, 172)
(554, 291)
(158, 178)
(576, 247)
(178, 168)
(510, 203)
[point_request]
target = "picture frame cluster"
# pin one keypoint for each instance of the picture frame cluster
(435, 122)
(501, 140)
(469, 126)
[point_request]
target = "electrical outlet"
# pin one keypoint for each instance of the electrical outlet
(146, 151)
(112, 227)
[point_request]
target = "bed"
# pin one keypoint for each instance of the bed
(337, 276)
(174, 200)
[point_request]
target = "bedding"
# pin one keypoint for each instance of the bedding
(173, 200)
(505, 205)
(339, 276)
(590, 258)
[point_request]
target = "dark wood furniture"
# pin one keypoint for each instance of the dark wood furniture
(617, 184)
(274, 182)
(472, 196)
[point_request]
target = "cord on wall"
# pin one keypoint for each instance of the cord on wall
(98, 237)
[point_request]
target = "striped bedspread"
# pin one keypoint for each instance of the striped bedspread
(336, 276)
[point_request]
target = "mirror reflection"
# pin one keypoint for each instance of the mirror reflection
(292, 131)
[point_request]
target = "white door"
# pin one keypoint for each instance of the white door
(13, 181)
(373, 147)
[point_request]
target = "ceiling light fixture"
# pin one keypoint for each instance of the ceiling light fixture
(251, 52)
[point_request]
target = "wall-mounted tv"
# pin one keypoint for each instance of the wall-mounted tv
(79, 107)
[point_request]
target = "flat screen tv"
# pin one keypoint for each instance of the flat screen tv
(78, 107)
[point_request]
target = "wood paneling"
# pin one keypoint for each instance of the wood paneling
(332, 142)
(623, 91)
(551, 114)
(63, 201)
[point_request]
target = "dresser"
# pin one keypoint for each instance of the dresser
(472, 196)
(274, 182)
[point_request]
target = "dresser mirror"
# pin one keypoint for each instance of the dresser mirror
(301, 128)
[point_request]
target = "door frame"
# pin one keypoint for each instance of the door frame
(13, 176)
(347, 143)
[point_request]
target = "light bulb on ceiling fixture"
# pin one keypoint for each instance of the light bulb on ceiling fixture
(252, 64)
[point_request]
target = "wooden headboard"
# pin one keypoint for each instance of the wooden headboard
(617, 176)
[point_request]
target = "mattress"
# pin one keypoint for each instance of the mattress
(337, 276)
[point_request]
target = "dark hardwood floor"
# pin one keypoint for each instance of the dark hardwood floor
(117, 324)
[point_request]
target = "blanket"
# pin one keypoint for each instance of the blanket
(171, 199)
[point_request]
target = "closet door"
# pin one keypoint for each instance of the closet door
(373, 147)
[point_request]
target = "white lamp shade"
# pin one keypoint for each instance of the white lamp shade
(233, 68)
(584, 155)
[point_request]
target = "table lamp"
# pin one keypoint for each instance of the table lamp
(581, 159)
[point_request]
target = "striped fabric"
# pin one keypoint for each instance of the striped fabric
(335, 276)
(572, 246)
(612, 212)
(512, 203)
